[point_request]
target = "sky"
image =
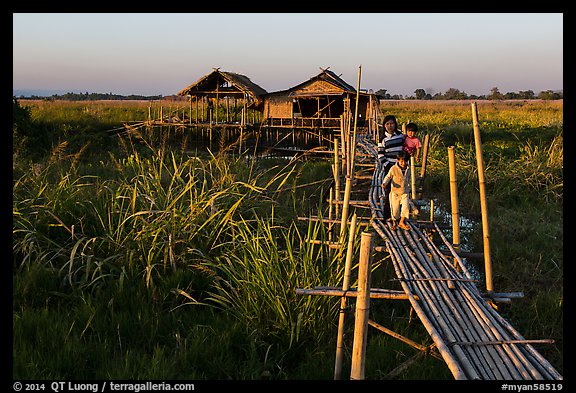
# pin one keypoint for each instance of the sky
(162, 53)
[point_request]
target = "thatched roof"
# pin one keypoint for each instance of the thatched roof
(327, 76)
(224, 83)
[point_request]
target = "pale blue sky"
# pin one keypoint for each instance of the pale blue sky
(161, 53)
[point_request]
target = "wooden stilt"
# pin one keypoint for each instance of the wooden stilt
(483, 201)
(345, 287)
(454, 199)
(413, 177)
(362, 307)
(337, 175)
(354, 135)
(345, 208)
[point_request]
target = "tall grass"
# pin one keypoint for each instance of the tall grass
(156, 217)
(141, 262)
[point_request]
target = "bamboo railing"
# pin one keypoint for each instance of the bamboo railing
(470, 336)
(473, 339)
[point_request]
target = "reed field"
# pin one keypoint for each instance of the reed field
(135, 259)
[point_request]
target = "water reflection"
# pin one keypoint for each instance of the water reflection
(467, 227)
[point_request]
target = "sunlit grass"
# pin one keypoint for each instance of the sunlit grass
(130, 262)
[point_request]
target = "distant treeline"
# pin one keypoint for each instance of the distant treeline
(98, 96)
(455, 94)
(419, 94)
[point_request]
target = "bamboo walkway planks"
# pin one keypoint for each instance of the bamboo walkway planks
(473, 339)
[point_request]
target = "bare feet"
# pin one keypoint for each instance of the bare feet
(404, 226)
(393, 225)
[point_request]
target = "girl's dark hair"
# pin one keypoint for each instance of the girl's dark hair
(412, 127)
(403, 154)
(390, 117)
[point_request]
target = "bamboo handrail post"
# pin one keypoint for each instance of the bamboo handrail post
(343, 144)
(413, 177)
(483, 202)
(345, 208)
(337, 174)
(353, 146)
(454, 199)
(424, 161)
(345, 287)
(330, 216)
(362, 307)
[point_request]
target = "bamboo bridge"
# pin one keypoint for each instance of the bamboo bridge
(469, 334)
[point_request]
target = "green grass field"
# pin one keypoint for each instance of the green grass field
(135, 261)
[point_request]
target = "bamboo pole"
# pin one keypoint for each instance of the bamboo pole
(457, 258)
(375, 293)
(343, 144)
(362, 307)
(438, 303)
(413, 177)
(337, 175)
(400, 337)
(227, 109)
(475, 341)
(454, 199)
(424, 161)
(190, 111)
(345, 208)
(345, 287)
(331, 217)
(469, 326)
(483, 202)
(353, 145)
(432, 328)
(217, 104)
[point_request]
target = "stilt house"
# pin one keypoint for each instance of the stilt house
(319, 103)
(227, 94)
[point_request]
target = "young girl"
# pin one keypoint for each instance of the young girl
(411, 143)
(399, 178)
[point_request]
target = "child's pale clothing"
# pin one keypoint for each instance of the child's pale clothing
(399, 191)
(411, 144)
